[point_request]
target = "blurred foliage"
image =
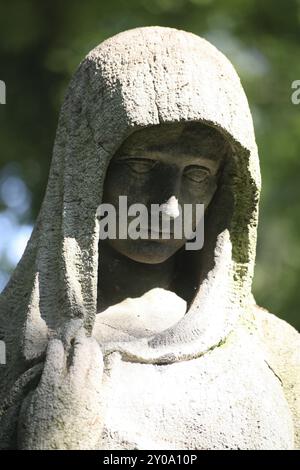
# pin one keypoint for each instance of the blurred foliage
(42, 42)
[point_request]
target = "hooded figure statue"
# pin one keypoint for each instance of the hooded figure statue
(225, 374)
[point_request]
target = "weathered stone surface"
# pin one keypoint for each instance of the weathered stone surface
(225, 375)
(149, 314)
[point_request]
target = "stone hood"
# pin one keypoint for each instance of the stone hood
(138, 78)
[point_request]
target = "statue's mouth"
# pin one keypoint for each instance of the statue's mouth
(153, 232)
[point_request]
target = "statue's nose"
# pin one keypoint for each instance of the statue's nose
(170, 208)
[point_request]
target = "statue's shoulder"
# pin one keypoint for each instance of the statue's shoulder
(277, 333)
(282, 343)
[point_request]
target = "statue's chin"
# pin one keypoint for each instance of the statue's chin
(147, 251)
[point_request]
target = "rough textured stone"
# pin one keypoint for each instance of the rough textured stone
(226, 375)
(139, 317)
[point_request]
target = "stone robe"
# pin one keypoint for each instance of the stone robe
(226, 374)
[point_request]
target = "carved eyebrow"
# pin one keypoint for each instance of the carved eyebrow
(133, 157)
(168, 157)
(196, 167)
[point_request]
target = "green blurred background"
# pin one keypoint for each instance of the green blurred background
(42, 42)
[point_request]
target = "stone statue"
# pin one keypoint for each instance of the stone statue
(141, 343)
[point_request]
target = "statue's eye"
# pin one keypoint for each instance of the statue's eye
(197, 174)
(140, 165)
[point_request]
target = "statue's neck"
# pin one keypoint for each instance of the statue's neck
(120, 277)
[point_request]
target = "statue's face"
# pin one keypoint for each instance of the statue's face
(166, 165)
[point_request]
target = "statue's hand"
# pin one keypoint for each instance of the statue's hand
(64, 411)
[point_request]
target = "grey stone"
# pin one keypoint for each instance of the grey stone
(226, 374)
